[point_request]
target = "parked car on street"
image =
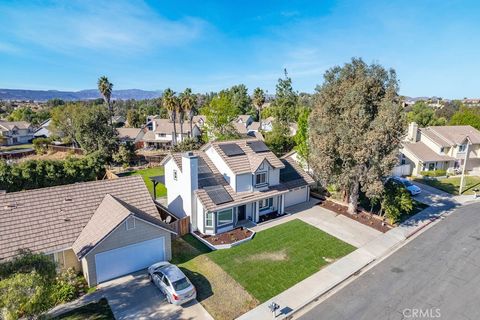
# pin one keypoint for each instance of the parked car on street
(172, 282)
(409, 186)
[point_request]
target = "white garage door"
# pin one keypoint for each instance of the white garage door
(296, 196)
(117, 262)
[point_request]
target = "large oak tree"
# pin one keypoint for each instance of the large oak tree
(355, 129)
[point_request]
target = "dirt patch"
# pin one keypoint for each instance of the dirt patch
(269, 256)
(365, 218)
(218, 292)
(51, 156)
(228, 237)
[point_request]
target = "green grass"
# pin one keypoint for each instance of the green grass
(93, 311)
(150, 172)
(280, 257)
(17, 147)
(452, 184)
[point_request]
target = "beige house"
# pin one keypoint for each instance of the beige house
(441, 148)
(15, 132)
(104, 229)
(161, 132)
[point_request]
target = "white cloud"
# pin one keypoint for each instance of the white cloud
(111, 25)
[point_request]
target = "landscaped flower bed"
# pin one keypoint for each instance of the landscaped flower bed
(229, 237)
(362, 217)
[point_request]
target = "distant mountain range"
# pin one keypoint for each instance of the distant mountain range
(44, 95)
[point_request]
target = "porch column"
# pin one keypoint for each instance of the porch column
(282, 203)
(256, 211)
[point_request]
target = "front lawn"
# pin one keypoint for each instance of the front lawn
(217, 291)
(146, 174)
(280, 257)
(93, 311)
(452, 184)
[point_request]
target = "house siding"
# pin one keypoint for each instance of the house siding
(121, 237)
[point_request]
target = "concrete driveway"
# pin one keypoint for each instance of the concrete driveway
(339, 226)
(135, 297)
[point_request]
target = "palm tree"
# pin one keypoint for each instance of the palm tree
(105, 88)
(258, 101)
(188, 102)
(170, 102)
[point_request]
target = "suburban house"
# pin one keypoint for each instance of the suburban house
(161, 135)
(229, 183)
(132, 135)
(15, 132)
(104, 228)
(43, 130)
(441, 148)
(267, 125)
(199, 120)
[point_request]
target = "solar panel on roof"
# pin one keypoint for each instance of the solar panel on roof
(231, 149)
(289, 173)
(218, 194)
(258, 146)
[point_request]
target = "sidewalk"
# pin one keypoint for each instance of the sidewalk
(306, 291)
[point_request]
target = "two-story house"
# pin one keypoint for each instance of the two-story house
(230, 182)
(441, 148)
(15, 132)
(161, 133)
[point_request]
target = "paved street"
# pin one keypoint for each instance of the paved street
(436, 274)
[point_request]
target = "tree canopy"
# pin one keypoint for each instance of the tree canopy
(355, 128)
(466, 116)
(424, 115)
(220, 113)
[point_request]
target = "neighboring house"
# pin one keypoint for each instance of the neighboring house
(15, 132)
(267, 124)
(132, 135)
(161, 133)
(104, 228)
(199, 120)
(244, 119)
(226, 183)
(43, 130)
(441, 148)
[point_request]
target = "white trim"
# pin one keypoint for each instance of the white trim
(118, 226)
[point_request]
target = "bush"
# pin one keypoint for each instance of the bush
(395, 201)
(41, 145)
(188, 144)
(434, 173)
(24, 295)
(68, 286)
(27, 262)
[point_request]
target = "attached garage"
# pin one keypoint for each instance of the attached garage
(296, 196)
(117, 241)
(118, 262)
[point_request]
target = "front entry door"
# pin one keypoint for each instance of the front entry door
(241, 212)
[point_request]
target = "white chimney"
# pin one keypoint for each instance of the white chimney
(154, 124)
(412, 132)
(189, 180)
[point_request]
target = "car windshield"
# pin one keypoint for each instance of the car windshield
(407, 183)
(180, 284)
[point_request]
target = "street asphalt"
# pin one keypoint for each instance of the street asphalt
(435, 276)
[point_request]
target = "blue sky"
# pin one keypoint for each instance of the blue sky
(210, 45)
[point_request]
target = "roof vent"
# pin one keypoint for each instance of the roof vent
(68, 199)
(66, 219)
(11, 206)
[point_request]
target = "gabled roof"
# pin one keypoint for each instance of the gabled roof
(110, 213)
(254, 125)
(9, 125)
(244, 163)
(51, 219)
(128, 133)
(423, 153)
(166, 126)
(447, 136)
(244, 117)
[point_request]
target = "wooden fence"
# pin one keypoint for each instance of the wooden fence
(55, 148)
(181, 226)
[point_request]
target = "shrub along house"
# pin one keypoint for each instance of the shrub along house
(104, 228)
(441, 148)
(226, 184)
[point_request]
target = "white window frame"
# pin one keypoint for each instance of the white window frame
(207, 219)
(175, 175)
(462, 148)
(226, 222)
(265, 180)
(264, 204)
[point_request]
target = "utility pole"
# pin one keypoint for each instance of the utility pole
(464, 167)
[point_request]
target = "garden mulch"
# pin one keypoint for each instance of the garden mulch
(228, 237)
(363, 217)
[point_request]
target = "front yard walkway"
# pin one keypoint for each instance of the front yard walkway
(339, 226)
